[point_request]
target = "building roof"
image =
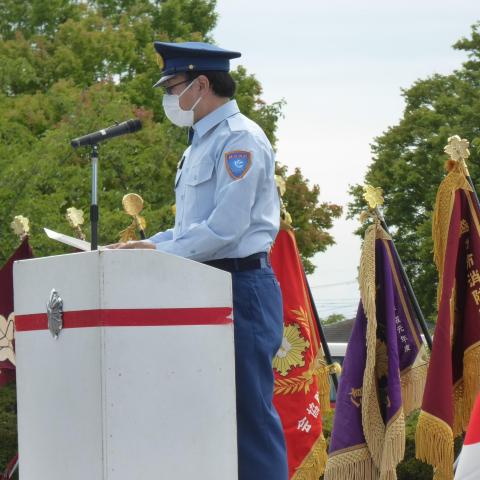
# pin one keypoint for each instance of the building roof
(338, 332)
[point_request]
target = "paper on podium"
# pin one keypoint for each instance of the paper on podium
(72, 241)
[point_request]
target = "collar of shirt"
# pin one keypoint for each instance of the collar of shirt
(214, 118)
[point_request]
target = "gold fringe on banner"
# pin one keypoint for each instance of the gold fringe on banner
(434, 445)
(354, 463)
(471, 380)
(413, 385)
(459, 408)
(313, 465)
(393, 448)
(442, 212)
(323, 378)
(373, 427)
(385, 443)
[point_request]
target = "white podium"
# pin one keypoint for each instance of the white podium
(140, 383)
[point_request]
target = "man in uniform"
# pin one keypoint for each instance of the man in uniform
(227, 216)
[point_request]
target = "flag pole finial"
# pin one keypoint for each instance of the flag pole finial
(133, 205)
(457, 150)
(285, 217)
(373, 196)
(76, 220)
(20, 226)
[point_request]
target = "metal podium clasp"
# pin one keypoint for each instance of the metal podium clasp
(55, 313)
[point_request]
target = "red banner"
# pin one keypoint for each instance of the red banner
(7, 369)
(302, 387)
(453, 379)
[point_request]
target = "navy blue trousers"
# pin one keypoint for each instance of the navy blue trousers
(258, 326)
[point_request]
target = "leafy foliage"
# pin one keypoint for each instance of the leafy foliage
(334, 318)
(70, 67)
(408, 162)
(8, 424)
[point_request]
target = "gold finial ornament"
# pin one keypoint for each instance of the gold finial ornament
(20, 226)
(74, 217)
(285, 217)
(373, 196)
(76, 220)
(281, 185)
(457, 148)
(132, 205)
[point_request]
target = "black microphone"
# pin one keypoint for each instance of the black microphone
(129, 126)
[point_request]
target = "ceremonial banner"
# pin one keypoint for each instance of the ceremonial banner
(11, 468)
(7, 355)
(302, 388)
(383, 373)
(453, 380)
(7, 358)
(469, 465)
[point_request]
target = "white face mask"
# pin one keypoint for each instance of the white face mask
(173, 111)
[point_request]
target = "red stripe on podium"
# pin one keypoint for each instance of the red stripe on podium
(154, 317)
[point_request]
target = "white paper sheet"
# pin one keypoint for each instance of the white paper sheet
(72, 241)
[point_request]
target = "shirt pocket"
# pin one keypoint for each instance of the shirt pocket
(200, 172)
(200, 191)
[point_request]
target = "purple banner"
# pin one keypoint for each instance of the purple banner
(383, 370)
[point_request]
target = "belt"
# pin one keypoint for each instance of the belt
(252, 262)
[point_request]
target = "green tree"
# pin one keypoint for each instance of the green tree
(408, 162)
(334, 318)
(70, 67)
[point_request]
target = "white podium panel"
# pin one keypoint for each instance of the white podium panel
(140, 383)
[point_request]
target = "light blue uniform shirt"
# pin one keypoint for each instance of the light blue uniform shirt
(224, 209)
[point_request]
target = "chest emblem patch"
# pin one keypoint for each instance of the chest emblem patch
(237, 163)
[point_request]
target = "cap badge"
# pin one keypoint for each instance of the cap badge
(160, 61)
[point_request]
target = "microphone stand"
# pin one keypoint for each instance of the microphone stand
(94, 204)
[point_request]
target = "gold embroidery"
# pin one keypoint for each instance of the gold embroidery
(292, 352)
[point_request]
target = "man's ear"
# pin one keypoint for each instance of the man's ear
(203, 83)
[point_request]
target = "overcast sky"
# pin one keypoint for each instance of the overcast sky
(340, 65)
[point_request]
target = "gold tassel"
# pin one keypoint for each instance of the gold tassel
(313, 465)
(413, 385)
(393, 447)
(385, 443)
(471, 381)
(441, 216)
(351, 464)
(434, 445)
(323, 378)
(373, 427)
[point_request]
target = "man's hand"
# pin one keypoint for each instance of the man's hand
(145, 244)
